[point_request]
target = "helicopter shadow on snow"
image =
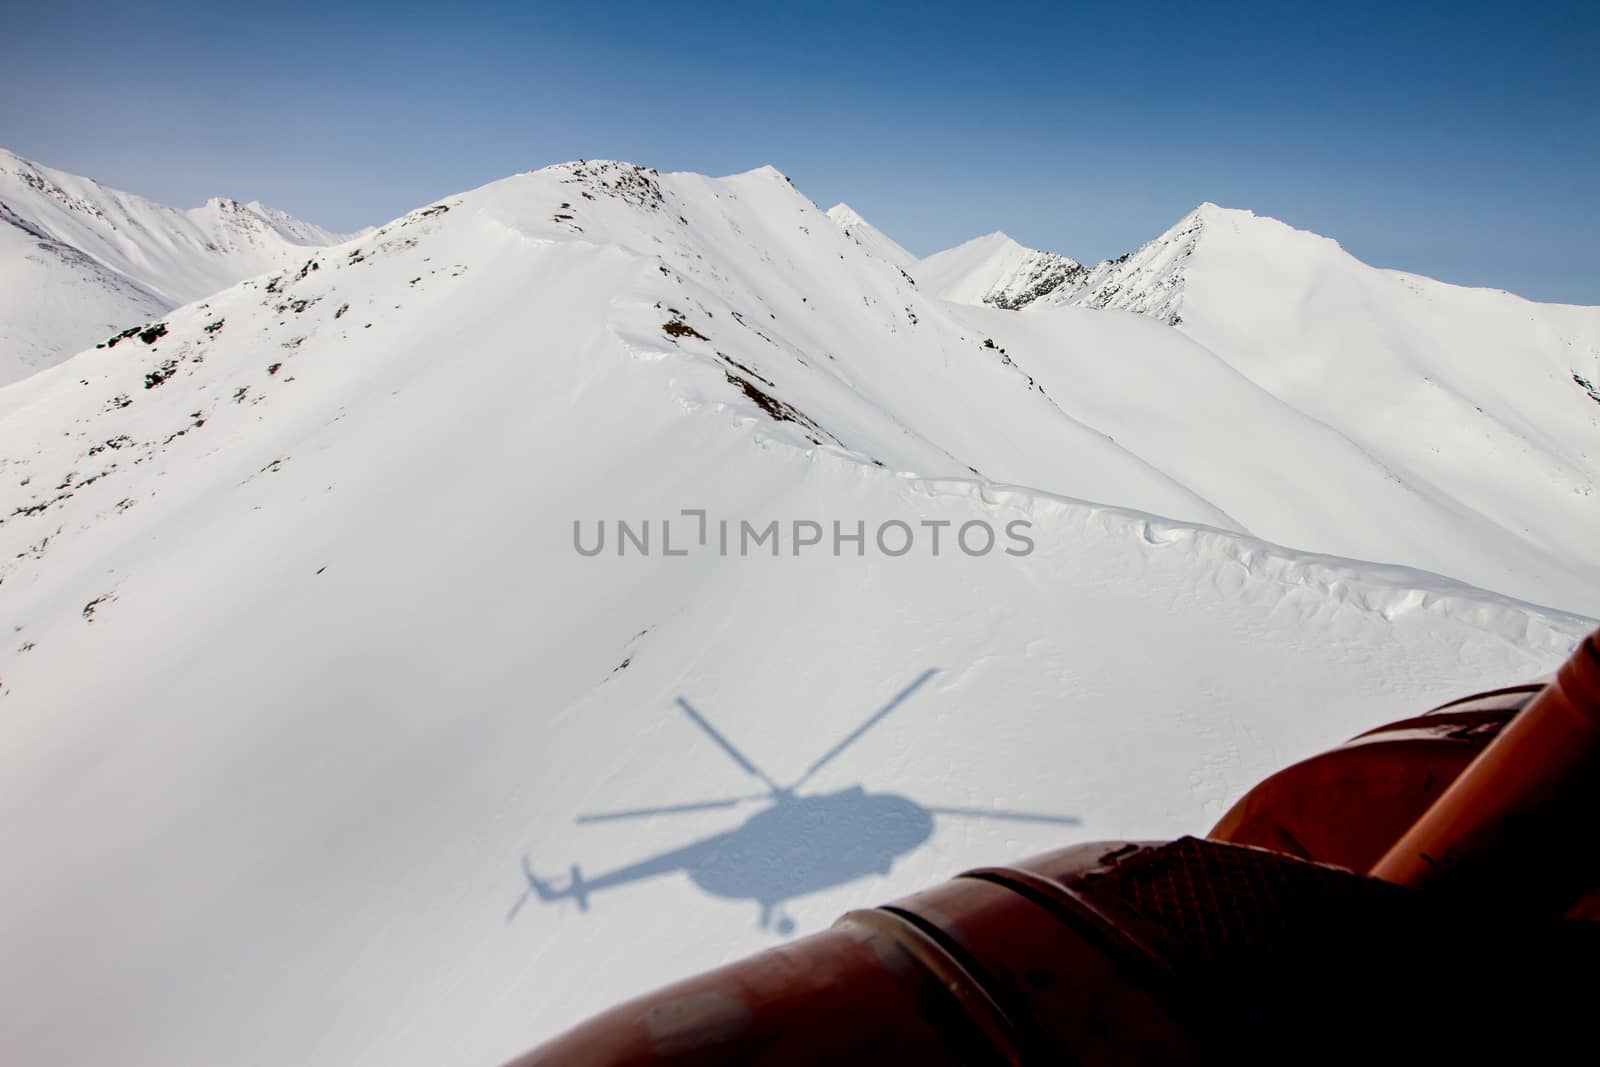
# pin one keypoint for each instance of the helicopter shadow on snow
(795, 844)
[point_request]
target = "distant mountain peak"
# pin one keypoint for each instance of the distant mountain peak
(845, 215)
(84, 260)
(994, 269)
(1150, 279)
(870, 237)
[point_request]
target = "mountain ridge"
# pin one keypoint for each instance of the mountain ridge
(86, 259)
(298, 612)
(1023, 391)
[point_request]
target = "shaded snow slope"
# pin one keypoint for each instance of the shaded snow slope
(79, 261)
(305, 664)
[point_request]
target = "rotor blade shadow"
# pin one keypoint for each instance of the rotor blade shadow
(1012, 816)
(855, 735)
(727, 746)
(670, 809)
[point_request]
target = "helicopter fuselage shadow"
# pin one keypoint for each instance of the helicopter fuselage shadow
(799, 844)
(808, 844)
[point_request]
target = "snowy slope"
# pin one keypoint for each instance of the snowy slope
(1453, 428)
(1474, 396)
(79, 261)
(870, 237)
(306, 665)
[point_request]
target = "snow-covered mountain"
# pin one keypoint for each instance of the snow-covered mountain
(313, 664)
(1149, 281)
(997, 271)
(80, 261)
(1446, 422)
(870, 237)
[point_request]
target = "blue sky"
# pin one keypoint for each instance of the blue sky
(1455, 140)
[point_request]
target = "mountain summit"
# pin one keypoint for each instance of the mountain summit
(870, 237)
(995, 270)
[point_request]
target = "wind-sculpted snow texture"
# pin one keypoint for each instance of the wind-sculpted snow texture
(308, 687)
